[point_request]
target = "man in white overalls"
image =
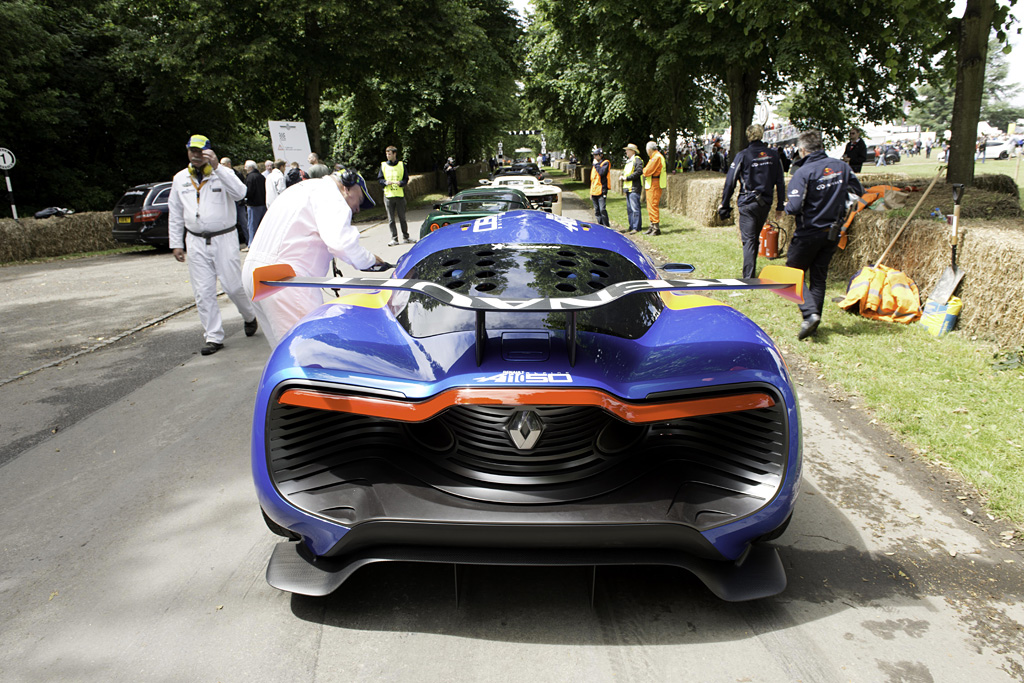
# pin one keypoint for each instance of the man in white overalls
(202, 204)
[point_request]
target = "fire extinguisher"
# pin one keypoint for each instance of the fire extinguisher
(768, 244)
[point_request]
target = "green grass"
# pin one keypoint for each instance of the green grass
(941, 396)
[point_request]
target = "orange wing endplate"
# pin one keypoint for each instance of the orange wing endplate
(266, 274)
(786, 275)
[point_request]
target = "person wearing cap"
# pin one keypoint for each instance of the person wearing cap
(453, 180)
(632, 173)
(393, 178)
(308, 227)
(656, 166)
(201, 215)
(599, 186)
(758, 170)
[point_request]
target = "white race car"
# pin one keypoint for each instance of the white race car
(543, 194)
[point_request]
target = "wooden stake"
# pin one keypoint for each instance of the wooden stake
(920, 201)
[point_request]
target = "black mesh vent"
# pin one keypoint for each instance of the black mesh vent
(581, 452)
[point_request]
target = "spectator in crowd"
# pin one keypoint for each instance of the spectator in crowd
(275, 184)
(453, 181)
(201, 215)
(393, 178)
(880, 150)
(856, 152)
(307, 228)
(255, 198)
(268, 167)
(817, 196)
(599, 186)
(316, 168)
(758, 171)
(295, 175)
(655, 181)
(632, 174)
(241, 218)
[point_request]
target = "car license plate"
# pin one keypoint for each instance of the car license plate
(124, 219)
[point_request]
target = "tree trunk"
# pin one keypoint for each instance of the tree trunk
(312, 86)
(970, 83)
(312, 100)
(742, 85)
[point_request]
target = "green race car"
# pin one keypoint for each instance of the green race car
(474, 203)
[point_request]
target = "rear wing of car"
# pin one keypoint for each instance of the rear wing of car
(786, 282)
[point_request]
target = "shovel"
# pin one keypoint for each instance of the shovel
(951, 277)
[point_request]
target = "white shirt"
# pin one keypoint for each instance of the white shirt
(307, 227)
(275, 186)
(214, 208)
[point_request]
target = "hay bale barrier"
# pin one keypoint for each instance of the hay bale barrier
(991, 250)
(29, 238)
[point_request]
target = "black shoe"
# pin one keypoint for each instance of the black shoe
(809, 326)
(210, 348)
(250, 327)
(655, 230)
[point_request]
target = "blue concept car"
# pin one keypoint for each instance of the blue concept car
(525, 389)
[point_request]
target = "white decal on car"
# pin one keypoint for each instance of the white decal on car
(522, 377)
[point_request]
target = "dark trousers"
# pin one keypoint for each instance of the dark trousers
(601, 209)
(453, 185)
(633, 208)
(811, 253)
(752, 218)
(395, 207)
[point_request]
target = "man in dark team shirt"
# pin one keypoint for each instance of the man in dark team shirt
(759, 171)
(817, 196)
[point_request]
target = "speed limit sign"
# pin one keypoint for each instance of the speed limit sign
(7, 159)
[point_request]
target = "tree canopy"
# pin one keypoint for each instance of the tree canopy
(97, 95)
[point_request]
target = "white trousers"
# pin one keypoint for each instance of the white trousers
(207, 263)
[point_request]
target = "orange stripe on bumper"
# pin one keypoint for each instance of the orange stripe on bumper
(405, 411)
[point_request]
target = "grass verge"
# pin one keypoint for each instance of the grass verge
(941, 396)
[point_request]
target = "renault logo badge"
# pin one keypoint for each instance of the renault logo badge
(525, 428)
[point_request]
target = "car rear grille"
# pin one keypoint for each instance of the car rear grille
(582, 452)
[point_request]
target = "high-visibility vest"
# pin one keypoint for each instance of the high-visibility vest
(663, 178)
(630, 169)
(596, 184)
(396, 172)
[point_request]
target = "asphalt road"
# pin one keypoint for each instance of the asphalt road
(133, 548)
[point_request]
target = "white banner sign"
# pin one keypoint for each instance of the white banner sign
(290, 141)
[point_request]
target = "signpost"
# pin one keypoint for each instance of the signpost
(7, 161)
(291, 142)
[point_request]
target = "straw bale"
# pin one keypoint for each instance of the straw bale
(30, 238)
(991, 255)
(997, 182)
(697, 195)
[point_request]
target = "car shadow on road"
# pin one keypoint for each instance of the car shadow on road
(657, 605)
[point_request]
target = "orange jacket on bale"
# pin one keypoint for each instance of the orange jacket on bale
(870, 196)
(882, 293)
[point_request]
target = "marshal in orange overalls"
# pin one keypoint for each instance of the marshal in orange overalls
(654, 168)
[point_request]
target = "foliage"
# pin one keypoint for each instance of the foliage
(101, 94)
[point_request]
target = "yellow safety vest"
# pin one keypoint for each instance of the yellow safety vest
(663, 178)
(396, 172)
(630, 169)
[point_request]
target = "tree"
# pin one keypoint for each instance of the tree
(973, 35)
